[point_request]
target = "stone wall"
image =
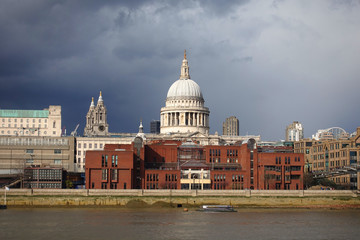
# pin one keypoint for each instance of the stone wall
(183, 198)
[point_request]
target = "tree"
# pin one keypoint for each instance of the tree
(309, 180)
(327, 182)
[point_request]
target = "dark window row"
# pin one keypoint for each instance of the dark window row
(152, 177)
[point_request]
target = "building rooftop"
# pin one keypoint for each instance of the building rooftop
(8, 113)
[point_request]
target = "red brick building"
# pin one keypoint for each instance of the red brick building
(118, 166)
(279, 170)
(177, 165)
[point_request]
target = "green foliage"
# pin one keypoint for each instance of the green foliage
(69, 184)
(326, 182)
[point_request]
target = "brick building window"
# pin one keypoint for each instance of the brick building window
(237, 178)
(104, 160)
(114, 175)
(152, 180)
(104, 175)
(170, 177)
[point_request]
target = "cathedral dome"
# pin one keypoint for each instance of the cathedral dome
(185, 89)
(184, 110)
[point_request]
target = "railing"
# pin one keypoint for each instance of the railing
(189, 193)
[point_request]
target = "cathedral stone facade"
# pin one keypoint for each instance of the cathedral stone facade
(96, 119)
(184, 110)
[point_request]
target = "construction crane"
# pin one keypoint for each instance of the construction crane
(74, 133)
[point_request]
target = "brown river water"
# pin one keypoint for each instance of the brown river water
(117, 223)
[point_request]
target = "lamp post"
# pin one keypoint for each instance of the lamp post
(4, 206)
(5, 189)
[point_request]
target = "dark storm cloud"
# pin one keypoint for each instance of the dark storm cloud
(222, 7)
(34, 32)
(253, 59)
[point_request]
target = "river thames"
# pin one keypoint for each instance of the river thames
(117, 223)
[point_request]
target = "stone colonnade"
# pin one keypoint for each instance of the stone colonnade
(185, 119)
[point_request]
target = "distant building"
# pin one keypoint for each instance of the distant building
(84, 144)
(294, 132)
(332, 155)
(42, 123)
(231, 126)
(96, 119)
(155, 126)
(331, 133)
(44, 177)
(17, 153)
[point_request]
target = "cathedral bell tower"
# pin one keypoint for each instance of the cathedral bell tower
(96, 119)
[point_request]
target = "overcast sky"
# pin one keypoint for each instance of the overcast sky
(268, 63)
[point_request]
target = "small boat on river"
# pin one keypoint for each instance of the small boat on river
(217, 208)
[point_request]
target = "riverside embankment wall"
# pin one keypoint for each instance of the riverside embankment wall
(185, 198)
